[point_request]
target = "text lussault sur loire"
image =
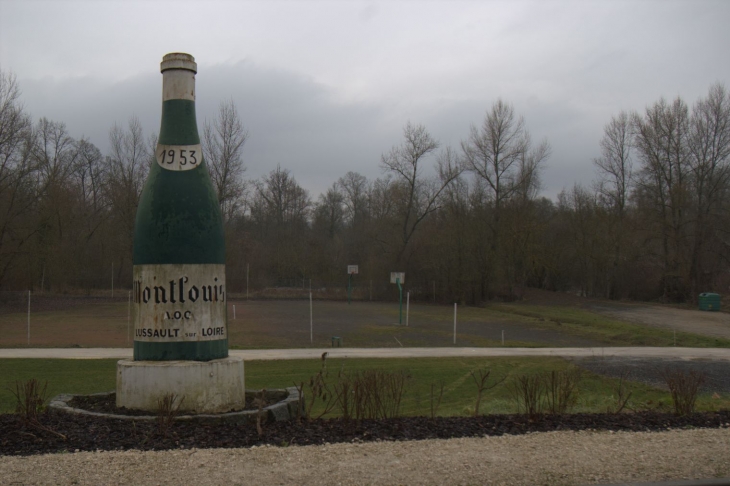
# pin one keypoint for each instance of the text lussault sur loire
(177, 291)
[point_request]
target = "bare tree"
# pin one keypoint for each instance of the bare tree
(354, 188)
(615, 165)
(663, 183)
(128, 165)
(18, 192)
(615, 170)
(54, 152)
(419, 195)
(280, 199)
(709, 160)
(223, 142)
(502, 156)
(329, 210)
(280, 212)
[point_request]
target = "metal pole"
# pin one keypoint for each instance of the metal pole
(311, 332)
(29, 318)
(434, 291)
(371, 290)
(349, 287)
(400, 301)
(454, 322)
(247, 281)
(502, 337)
(112, 280)
(129, 313)
(408, 305)
(234, 312)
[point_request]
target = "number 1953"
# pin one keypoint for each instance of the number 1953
(181, 156)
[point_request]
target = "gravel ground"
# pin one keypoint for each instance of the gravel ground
(650, 370)
(541, 458)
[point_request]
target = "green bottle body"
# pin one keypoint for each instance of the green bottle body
(179, 294)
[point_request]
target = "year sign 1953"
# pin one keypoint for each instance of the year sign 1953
(178, 157)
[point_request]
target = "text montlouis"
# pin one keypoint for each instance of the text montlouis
(177, 291)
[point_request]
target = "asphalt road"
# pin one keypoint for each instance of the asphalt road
(274, 354)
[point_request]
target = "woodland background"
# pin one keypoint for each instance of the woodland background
(467, 220)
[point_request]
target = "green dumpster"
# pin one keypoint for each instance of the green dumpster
(709, 301)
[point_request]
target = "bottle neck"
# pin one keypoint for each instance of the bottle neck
(178, 84)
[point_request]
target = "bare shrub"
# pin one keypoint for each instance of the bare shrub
(435, 406)
(168, 406)
(30, 399)
(371, 394)
(684, 387)
(528, 393)
(481, 380)
(561, 390)
(320, 390)
(621, 394)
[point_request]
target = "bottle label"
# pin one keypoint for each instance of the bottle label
(179, 302)
(179, 157)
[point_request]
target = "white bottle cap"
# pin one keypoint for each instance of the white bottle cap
(178, 60)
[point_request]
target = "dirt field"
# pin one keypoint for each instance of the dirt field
(78, 321)
(715, 324)
(86, 322)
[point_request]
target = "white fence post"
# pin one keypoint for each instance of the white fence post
(29, 318)
(129, 313)
(408, 305)
(454, 322)
(311, 333)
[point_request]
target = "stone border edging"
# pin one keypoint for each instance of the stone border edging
(285, 409)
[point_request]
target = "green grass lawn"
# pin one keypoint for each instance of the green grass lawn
(596, 392)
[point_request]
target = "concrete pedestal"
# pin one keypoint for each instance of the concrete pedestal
(215, 386)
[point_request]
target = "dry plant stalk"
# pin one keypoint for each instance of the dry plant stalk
(684, 388)
(370, 394)
(435, 408)
(481, 378)
(622, 397)
(30, 399)
(260, 401)
(319, 389)
(167, 410)
(561, 390)
(528, 392)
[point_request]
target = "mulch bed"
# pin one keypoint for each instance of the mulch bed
(60, 432)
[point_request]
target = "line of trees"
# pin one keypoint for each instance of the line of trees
(467, 220)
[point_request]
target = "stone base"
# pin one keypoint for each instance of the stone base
(215, 386)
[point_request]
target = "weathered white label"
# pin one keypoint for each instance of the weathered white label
(178, 84)
(179, 302)
(179, 157)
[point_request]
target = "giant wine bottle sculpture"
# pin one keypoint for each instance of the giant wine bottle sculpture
(179, 250)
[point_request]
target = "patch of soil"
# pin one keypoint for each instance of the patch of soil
(60, 432)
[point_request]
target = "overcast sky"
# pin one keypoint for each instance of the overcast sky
(326, 87)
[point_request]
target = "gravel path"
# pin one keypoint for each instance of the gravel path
(316, 353)
(544, 458)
